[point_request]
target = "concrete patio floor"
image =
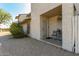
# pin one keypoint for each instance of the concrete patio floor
(28, 47)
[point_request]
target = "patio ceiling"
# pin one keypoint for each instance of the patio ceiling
(54, 12)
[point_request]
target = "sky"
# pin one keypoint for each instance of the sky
(16, 8)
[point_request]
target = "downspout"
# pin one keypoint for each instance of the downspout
(48, 27)
(74, 46)
(73, 33)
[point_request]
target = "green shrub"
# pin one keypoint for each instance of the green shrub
(16, 30)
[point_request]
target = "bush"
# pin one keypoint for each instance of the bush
(16, 30)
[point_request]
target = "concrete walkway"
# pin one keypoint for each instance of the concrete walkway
(28, 47)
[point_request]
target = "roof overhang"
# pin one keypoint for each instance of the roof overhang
(57, 11)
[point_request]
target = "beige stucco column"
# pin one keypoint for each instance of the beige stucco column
(67, 37)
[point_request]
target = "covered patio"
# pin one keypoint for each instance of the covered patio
(51, 26)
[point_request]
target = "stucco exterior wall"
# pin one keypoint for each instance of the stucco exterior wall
(43, 27)
(24, 28)
(67, 37)
(67, 13)
(22, 17)
(38, 9)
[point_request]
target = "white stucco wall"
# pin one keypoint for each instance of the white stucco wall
(67, 38)
(44, 27)
(36, 10)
